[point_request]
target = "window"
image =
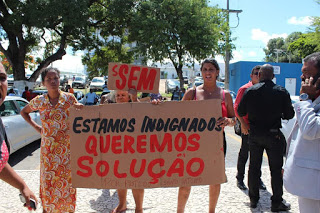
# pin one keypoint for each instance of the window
(21, 104)
(8, 108)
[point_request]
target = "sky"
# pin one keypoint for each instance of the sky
(259, 21)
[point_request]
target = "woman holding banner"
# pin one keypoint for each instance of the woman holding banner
(56, 191)
(138, 194)
(209, 90)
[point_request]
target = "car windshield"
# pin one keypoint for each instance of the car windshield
(78, 79)
(97, 80)
(174, 82)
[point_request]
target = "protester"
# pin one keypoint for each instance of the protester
(183, 91)
(11, 92)
(209, 90)
(56, 191)
(244, 150)
(108, 98)
(176, 94)
(7, 173)
(91, 98)
(138, 194)
(266, 103)
(302, 169)
(26, 94)
(69, 89)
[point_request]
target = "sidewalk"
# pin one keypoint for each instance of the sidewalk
(159, 200)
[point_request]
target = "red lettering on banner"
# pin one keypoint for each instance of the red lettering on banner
(156, 176)
(123, 70)
(114, 72)
(84, 167)
(176, 167)
(132, 76)
(182, 147)
(193, 140)
(116, 170)
(104, 145)
(154, 143)
(116, 144)
(142, 168)
(141, 143)
(127, 145)
(200, 169)
(99, 170)
(91, 148)
(147, 79)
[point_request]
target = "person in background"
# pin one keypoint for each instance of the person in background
(302, 169)
(69, 89)
(91, 98)
(138, 194)
(26, 94)
(183, 91)
(244, 150)
(176, 94)
(7, 173)
(56, 191)
(266, 104)
(11, 92)
(209, 90)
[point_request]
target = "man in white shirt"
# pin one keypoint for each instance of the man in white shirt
(302, 169)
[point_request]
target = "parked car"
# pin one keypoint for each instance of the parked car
(35, 93)
(80, 97)
(63, 81)
(171, 84)
(97, 83)
(19, 132)
(80, 82)
(185, 79)
(10, 79)
(16, 92)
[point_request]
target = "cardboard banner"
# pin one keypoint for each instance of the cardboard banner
(140, 145)
(129, 76)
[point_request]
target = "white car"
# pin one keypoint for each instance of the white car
(19, 132)
(97, 83)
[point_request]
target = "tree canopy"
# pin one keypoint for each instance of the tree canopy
(28, 25)
(178, 30)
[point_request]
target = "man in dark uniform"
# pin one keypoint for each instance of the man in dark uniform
(266, 103)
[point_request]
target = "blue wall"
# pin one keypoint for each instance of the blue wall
(240, 74)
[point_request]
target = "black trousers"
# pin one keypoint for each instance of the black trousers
(274, 144)
(242, 157)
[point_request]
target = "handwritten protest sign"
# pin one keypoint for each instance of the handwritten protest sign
(140, 145)
(129, 76)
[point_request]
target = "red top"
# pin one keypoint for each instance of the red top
(223, 103)
(239, 97)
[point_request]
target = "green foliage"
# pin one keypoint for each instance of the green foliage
(304, 46)
(179, 30)
(97, 62)
(278, 49)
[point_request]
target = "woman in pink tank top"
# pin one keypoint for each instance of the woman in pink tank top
(209, 90)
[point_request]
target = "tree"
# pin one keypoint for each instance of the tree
(24, 24)
(278, 49)
(97, 62)
(178, 30)
(304, 45)
(105, 39)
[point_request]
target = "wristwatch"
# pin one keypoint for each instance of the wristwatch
(304, 97)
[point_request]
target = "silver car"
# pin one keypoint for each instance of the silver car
(19, 132)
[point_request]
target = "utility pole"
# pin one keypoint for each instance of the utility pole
(228, 49)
